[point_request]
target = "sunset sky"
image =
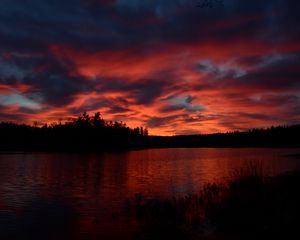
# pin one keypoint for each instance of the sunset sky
(174, 66)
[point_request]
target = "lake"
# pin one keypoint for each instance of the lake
(83, 196)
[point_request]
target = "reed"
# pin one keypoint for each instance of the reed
(250, 205)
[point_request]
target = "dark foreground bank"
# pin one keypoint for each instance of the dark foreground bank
(247, 207)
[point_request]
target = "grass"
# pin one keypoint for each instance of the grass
(250, 205)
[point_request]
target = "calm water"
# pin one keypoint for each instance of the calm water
(45, 196)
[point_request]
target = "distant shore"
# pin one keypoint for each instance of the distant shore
(252, 139)
(93, 134)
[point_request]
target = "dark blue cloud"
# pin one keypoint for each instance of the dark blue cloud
(115, 24)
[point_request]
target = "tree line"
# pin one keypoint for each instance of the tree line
(78, 134)
(93, 133)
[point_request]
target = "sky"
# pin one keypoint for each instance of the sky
(173, 66)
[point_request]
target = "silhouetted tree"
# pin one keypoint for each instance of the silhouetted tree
(97, 120)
